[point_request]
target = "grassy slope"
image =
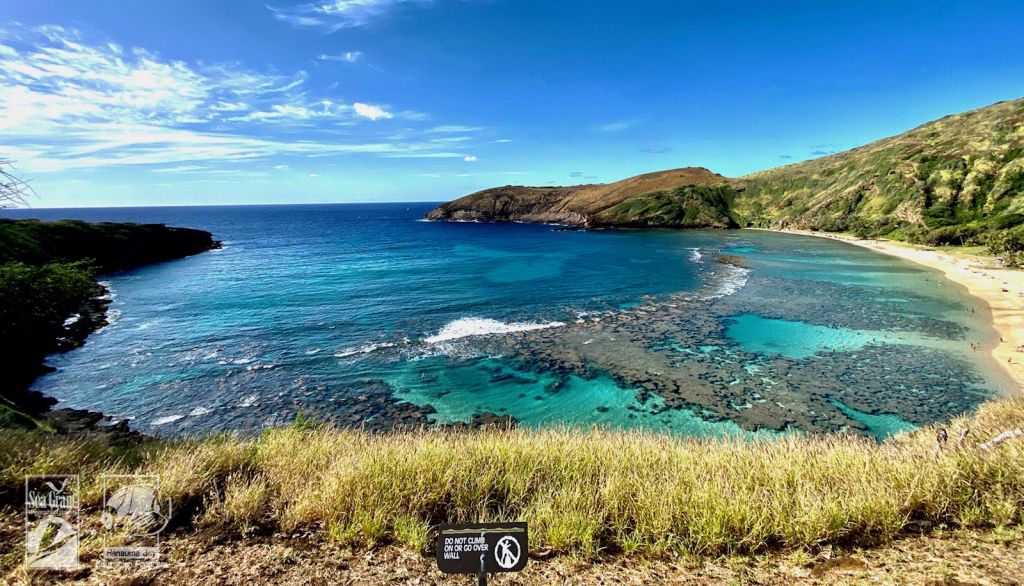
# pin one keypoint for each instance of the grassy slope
(686, 206)
(944, 182)
(583, 492)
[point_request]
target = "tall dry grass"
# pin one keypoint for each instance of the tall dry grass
(585, 492)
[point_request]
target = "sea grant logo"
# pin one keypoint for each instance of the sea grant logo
(133, 517)
(52, 521)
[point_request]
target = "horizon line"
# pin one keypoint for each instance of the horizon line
(216, 205)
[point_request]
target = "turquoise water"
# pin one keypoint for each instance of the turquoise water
(798, 339)
(542, 398)
(363, 315)
(792, 338)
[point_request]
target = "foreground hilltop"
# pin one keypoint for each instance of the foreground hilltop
(316, 504)
(948, 181)
(684, 198)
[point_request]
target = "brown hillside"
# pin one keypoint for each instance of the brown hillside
(570, 205)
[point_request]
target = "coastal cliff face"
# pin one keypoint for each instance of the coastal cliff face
(653, 199)
(50, 301)
(952, 181)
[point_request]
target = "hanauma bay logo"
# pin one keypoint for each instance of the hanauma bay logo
(52, 521)
(133, 517)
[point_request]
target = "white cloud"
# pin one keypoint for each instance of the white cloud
(346, 57)
(67, 103)
(469, 159)
(314, 175)
(61, 80)
(337, 14)
(297, 112)
(281, 167)
(370, 111)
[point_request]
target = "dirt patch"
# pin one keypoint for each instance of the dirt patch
(950, 559)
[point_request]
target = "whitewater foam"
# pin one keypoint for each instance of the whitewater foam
(465, 327)
(734, 280)
(364, 349)
(110, 294)
(167, 419)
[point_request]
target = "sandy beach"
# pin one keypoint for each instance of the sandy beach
(1002, 289)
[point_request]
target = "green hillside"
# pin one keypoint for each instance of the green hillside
(950, 181)
(686, 206)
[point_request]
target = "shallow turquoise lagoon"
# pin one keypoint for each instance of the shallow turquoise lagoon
(364, 313)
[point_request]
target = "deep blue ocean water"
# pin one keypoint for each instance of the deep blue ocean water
(310, 309)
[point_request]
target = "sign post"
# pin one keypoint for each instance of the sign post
(482, 548)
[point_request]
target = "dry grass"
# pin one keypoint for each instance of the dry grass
(584, 492)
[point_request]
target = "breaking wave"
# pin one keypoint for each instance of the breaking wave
(465, 327)
(734, 279)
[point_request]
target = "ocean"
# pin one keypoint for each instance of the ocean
(365, 315)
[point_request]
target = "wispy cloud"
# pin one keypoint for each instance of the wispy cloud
(346, 57)
(67, 102)
(617, 126)
(469, 158)
(337, 14)
(454, 128)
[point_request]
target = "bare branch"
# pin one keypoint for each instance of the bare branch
(14, 190)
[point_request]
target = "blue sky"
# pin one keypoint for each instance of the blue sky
(198, 102)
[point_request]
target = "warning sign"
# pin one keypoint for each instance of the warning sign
(473, 548)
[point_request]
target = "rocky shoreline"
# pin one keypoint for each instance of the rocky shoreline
(111, 248)
(90, 318)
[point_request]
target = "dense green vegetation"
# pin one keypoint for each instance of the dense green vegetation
(686, 206)
(1008, 245)
(952, 181)
(110, 246)
(47, 275)
(35, 301)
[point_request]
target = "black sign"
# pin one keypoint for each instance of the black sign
(501, 546)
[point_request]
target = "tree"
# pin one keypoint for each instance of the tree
(13, 189)
(1008, 245)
